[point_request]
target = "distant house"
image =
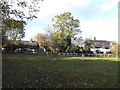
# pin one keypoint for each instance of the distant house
(28, 46)
(101, 46)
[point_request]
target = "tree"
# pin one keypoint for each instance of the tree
(64, 28)
(88, 43)
(12, 18)
(73, 49)
(12, 33)
(114, 48)
(13, 30)
(41, 39)
(16, 9)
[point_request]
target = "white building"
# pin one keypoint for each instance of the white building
(101, 46)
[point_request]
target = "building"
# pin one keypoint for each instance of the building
(28, 46)
(101, 46)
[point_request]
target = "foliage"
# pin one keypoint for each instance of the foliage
(13, 31)
(16, 9)
(114, 48)
(88, 43)
(12, 17)
(73, 49)
(64, 28)
(41, 39)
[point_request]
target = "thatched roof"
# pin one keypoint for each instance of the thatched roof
(102, 43)
(28, 44)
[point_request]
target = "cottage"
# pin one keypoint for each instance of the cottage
(101, 46)
(28, 46)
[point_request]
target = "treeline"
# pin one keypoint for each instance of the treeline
(64, 36)
(13, 21)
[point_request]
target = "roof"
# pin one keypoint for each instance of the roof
(28, 44)
(102, 43)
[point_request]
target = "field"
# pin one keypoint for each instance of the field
(35, 71)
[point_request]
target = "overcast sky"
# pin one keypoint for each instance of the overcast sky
(98, 18)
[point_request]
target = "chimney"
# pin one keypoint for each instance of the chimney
(31, 40)
(94, 38)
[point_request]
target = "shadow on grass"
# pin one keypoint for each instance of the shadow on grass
(31, 71)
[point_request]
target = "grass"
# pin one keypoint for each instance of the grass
(35, 71)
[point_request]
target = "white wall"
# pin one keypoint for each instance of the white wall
(101, 49)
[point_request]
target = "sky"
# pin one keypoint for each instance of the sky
(98, 18)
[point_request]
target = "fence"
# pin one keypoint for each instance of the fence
(80, 55)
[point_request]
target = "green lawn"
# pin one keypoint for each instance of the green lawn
(35, 71)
